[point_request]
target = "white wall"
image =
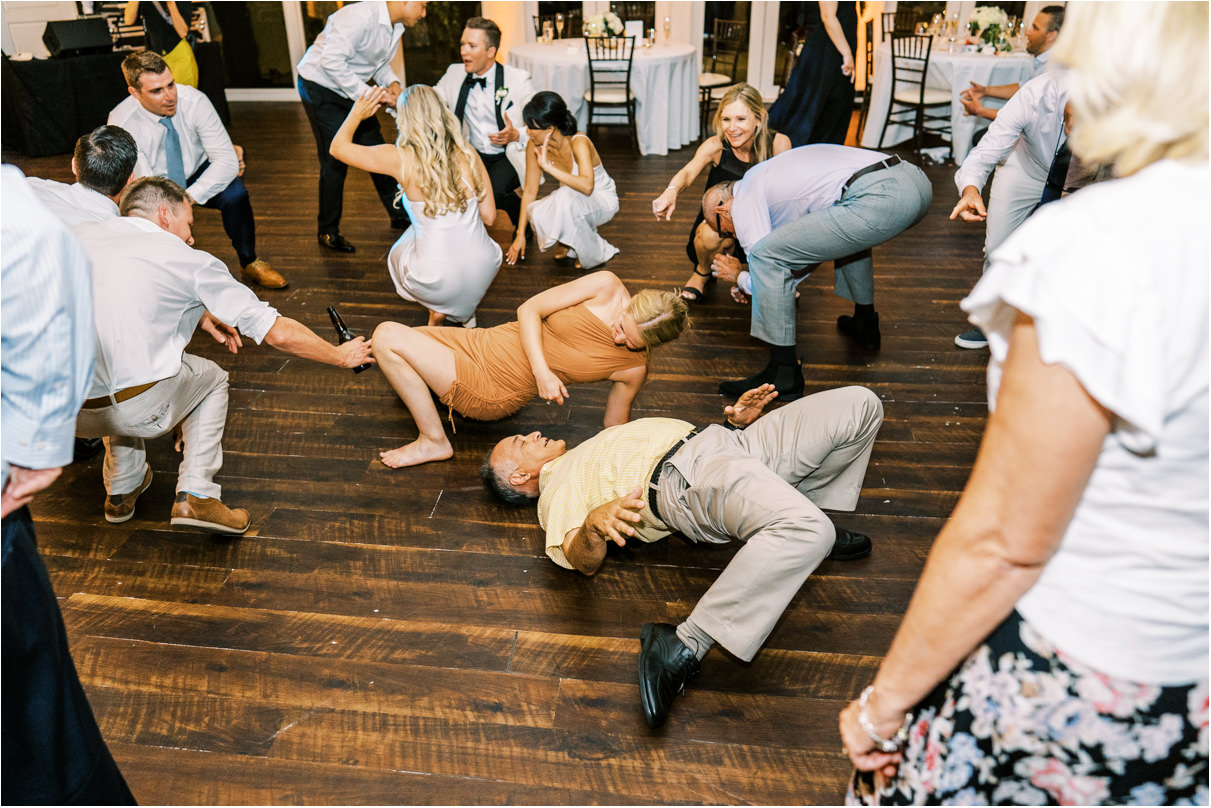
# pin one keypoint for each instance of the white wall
(22, 24)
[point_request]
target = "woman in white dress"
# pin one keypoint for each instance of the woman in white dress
(586, 199)
(446, 260)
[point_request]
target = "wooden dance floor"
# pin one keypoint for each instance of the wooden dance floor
(396, 636)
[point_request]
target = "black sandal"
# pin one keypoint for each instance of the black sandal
(691, 295)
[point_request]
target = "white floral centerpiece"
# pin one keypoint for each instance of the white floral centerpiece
(990, 24)
(607, 24)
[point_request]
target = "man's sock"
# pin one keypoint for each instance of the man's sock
(695, 638)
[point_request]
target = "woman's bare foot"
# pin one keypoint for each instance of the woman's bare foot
(421, 450)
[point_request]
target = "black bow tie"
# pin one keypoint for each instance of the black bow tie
(471, 81)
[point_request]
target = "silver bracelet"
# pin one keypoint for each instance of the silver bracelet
(868, 726)
(673, 187)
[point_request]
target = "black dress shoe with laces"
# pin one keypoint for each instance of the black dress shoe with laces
(786, 379)
(864, 331)
(666, 664)
(849, 546)
(337, 242)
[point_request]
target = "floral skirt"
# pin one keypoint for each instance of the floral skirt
(1021, 723)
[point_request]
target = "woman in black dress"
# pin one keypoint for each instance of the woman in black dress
(742, 139)
(818, 100)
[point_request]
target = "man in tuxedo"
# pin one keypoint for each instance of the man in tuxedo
(181, 137)
(487, 98)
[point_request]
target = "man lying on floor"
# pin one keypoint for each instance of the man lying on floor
(763, 485)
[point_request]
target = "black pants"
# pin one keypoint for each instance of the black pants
(52, 749)
(504, 184)
(326, 111)
(236, 209)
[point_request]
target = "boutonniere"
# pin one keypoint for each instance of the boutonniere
(500, 94)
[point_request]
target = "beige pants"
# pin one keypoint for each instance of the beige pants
(765, 486)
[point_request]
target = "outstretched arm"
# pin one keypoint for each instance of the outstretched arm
(533, 176)
(292, 337)
(382, 159)
(708, 153)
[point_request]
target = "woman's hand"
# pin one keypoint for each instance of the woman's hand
(544, 159)
(368, 103)
(847, 66)
(517, 250)
(861, 748)
(550, 388)
(664, 205)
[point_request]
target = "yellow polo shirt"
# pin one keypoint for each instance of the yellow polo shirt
(609, 465)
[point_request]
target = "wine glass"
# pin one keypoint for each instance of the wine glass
(668, 29)
(559, 25)
(936, 24)
(546, 31)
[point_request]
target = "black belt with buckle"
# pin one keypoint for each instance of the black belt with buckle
(654, 482)
(894, 160)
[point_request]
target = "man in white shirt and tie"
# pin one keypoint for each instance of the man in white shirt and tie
(104, 162)
(181, 137)
(487, 98)
(151, 291)
(356, 46)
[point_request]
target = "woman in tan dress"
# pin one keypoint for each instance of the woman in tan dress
(586, 330)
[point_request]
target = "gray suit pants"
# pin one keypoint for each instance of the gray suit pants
(765, 486)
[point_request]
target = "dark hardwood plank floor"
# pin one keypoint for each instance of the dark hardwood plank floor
(385, 636)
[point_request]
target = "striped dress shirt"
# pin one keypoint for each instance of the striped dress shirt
(46, 331)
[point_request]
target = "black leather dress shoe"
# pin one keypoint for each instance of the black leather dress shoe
(665, 665)
(337, 242)
(786, 379)
(865, 331)
(849, 546)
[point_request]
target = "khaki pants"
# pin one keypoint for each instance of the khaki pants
(765, 486)
(195, 398)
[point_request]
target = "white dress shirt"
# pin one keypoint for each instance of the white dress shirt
(1115, 278)
(480, 113)
(1032, 122)
(150, 290)
(1039, 65)
(46, 331)
(73, 204)
(790, 185)
(202, 137)
(356, 45)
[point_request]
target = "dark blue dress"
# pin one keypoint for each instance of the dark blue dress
(818, 101)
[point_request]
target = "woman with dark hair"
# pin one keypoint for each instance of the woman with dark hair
(567, 218)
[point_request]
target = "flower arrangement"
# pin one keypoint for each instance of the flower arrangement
(607, 23)
(988, 23)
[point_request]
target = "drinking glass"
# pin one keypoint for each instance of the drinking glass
(547, 31)
(936, 24)
(668, 28)
(651, 37)
(559, 25)
(922, 28)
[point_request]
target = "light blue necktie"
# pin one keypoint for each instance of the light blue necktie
(172, 147)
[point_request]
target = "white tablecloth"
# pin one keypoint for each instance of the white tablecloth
(948, 71)
(664, 79)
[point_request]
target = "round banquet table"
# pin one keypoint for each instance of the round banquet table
(947, 71)
(664, 79)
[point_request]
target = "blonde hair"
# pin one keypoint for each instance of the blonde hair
(750, 96)
(661, 316)
(431, 139)
(1138, 84)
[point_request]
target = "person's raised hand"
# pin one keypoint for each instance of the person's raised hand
(368, 103)
(750, 405)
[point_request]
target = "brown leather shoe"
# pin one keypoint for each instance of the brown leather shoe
(120, 507)
(207, 513)
(261, 273)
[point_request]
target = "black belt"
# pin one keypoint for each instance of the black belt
(894, 160)
(654, 482)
